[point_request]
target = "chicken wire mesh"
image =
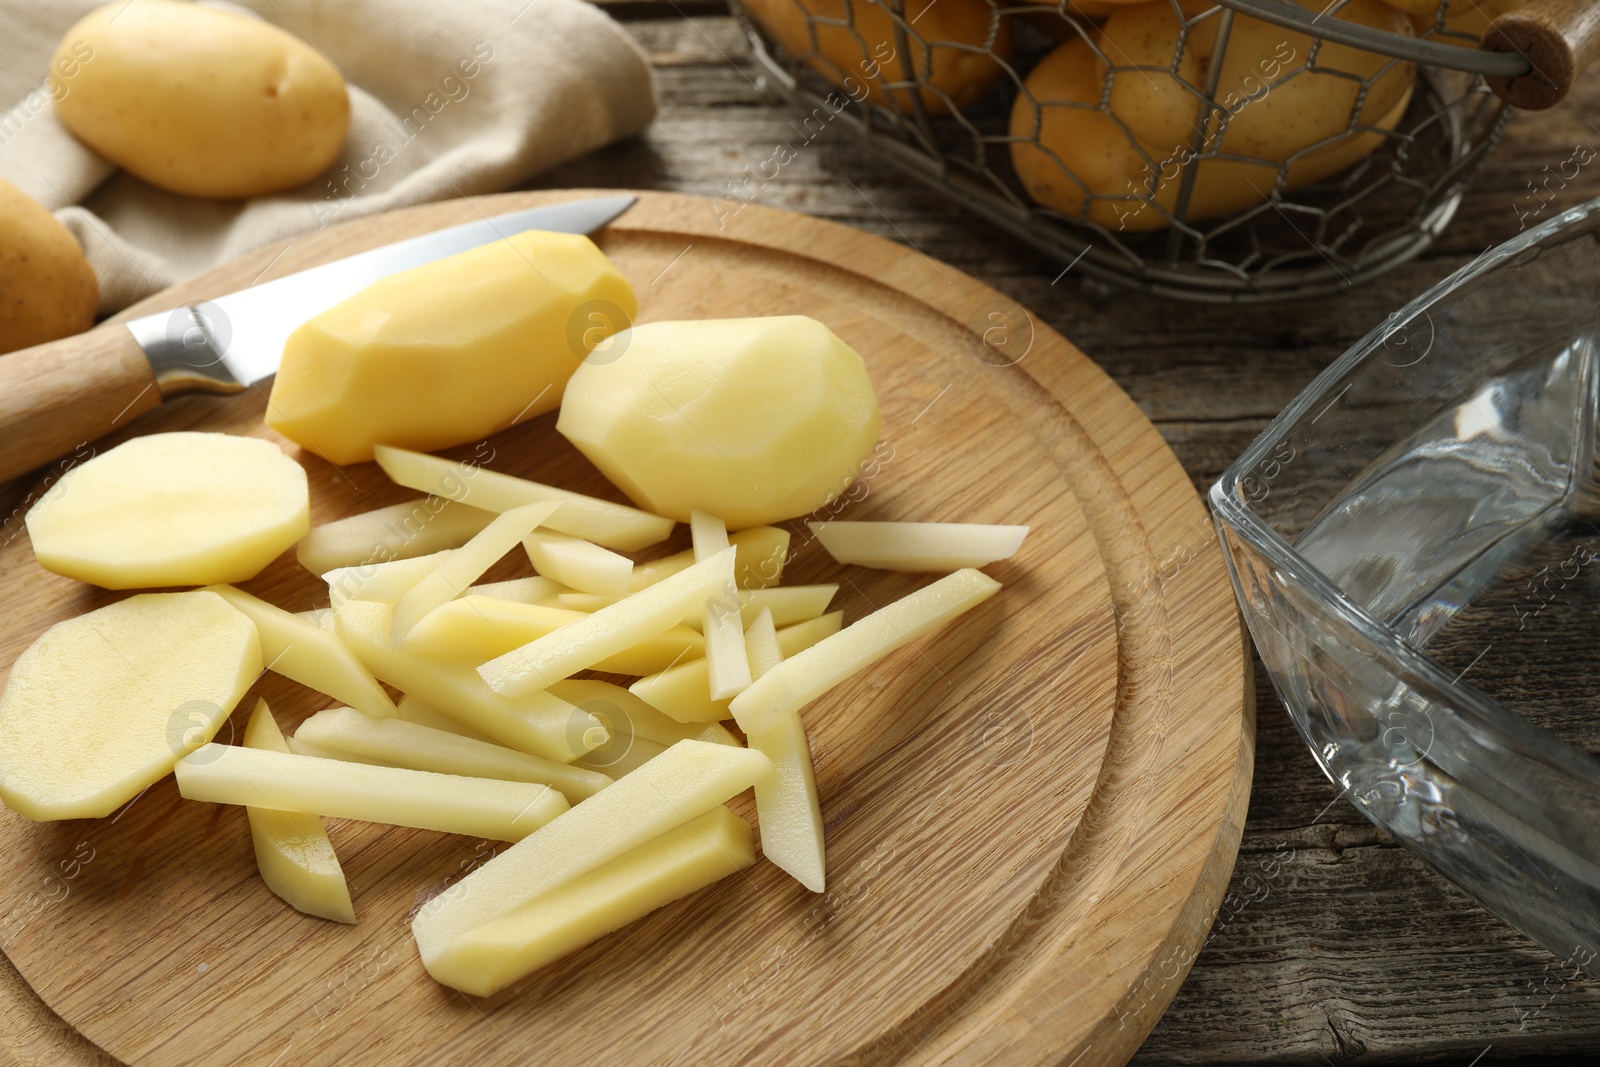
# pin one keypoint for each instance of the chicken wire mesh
(1217, 150)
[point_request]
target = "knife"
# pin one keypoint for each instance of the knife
(60, 395)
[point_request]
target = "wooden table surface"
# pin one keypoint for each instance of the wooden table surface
(1339, 945)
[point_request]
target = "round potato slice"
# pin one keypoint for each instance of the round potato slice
(105, 703)
(172, 509)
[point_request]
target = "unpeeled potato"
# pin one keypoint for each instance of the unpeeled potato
(953, 46)
(1470, 17)
(47, 289)
(1048, 18)
(202, 101)
(1270, 110)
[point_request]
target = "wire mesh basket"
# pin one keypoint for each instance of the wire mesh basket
(1218, 150)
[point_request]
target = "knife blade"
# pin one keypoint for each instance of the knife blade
(57, 397)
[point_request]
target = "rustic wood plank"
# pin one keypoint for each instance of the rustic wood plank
(1356, 947)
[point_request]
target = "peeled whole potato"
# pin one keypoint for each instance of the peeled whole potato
(449, 352)
(1274, 111)
(172, 509)
(751, 420)
(105, 703)
(47, 289)
(953, 45)
(202, 101)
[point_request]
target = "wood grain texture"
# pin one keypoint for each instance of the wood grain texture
(1423, 975)
(1352, 937)
(57, 396)
(1032, 815)
(1559, 38)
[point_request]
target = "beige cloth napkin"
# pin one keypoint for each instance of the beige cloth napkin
(553, 79)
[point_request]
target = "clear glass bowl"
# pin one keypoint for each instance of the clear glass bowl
(1415, 542)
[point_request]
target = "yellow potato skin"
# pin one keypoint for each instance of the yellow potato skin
(47, 288)
(752, 420)
(859, 62)
(1274, 115)
(1048, 20)
(1470, 17)
(201, 101)
(449, 352)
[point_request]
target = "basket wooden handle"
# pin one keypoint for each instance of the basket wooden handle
(1557, 37)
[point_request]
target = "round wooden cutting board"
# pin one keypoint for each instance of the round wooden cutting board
(1032, 814)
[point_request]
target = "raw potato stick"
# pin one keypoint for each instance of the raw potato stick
(293, 852)
(621, 755)
(648, 574)
(400, 531)
(479, 628)
(396, 743)
(790, 603)
(578, 564)
(538, 723)
(309, 654)
(708, 534)
(585, 602)
(612, 525)
(787, 807)
(410, 709)
(308, 748)
(607, 632)
(449, 803)
(679, 862)
(763, 550)
(387, 582)
(801, 679)
(462, 566)
(621, 712)
(322, 618)
(727, 670)
(683, 692)
(918, 546)
(535, 590)
(761, 645)
(683, 783)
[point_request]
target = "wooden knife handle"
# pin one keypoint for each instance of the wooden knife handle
(57, 396)
(1558, 38)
